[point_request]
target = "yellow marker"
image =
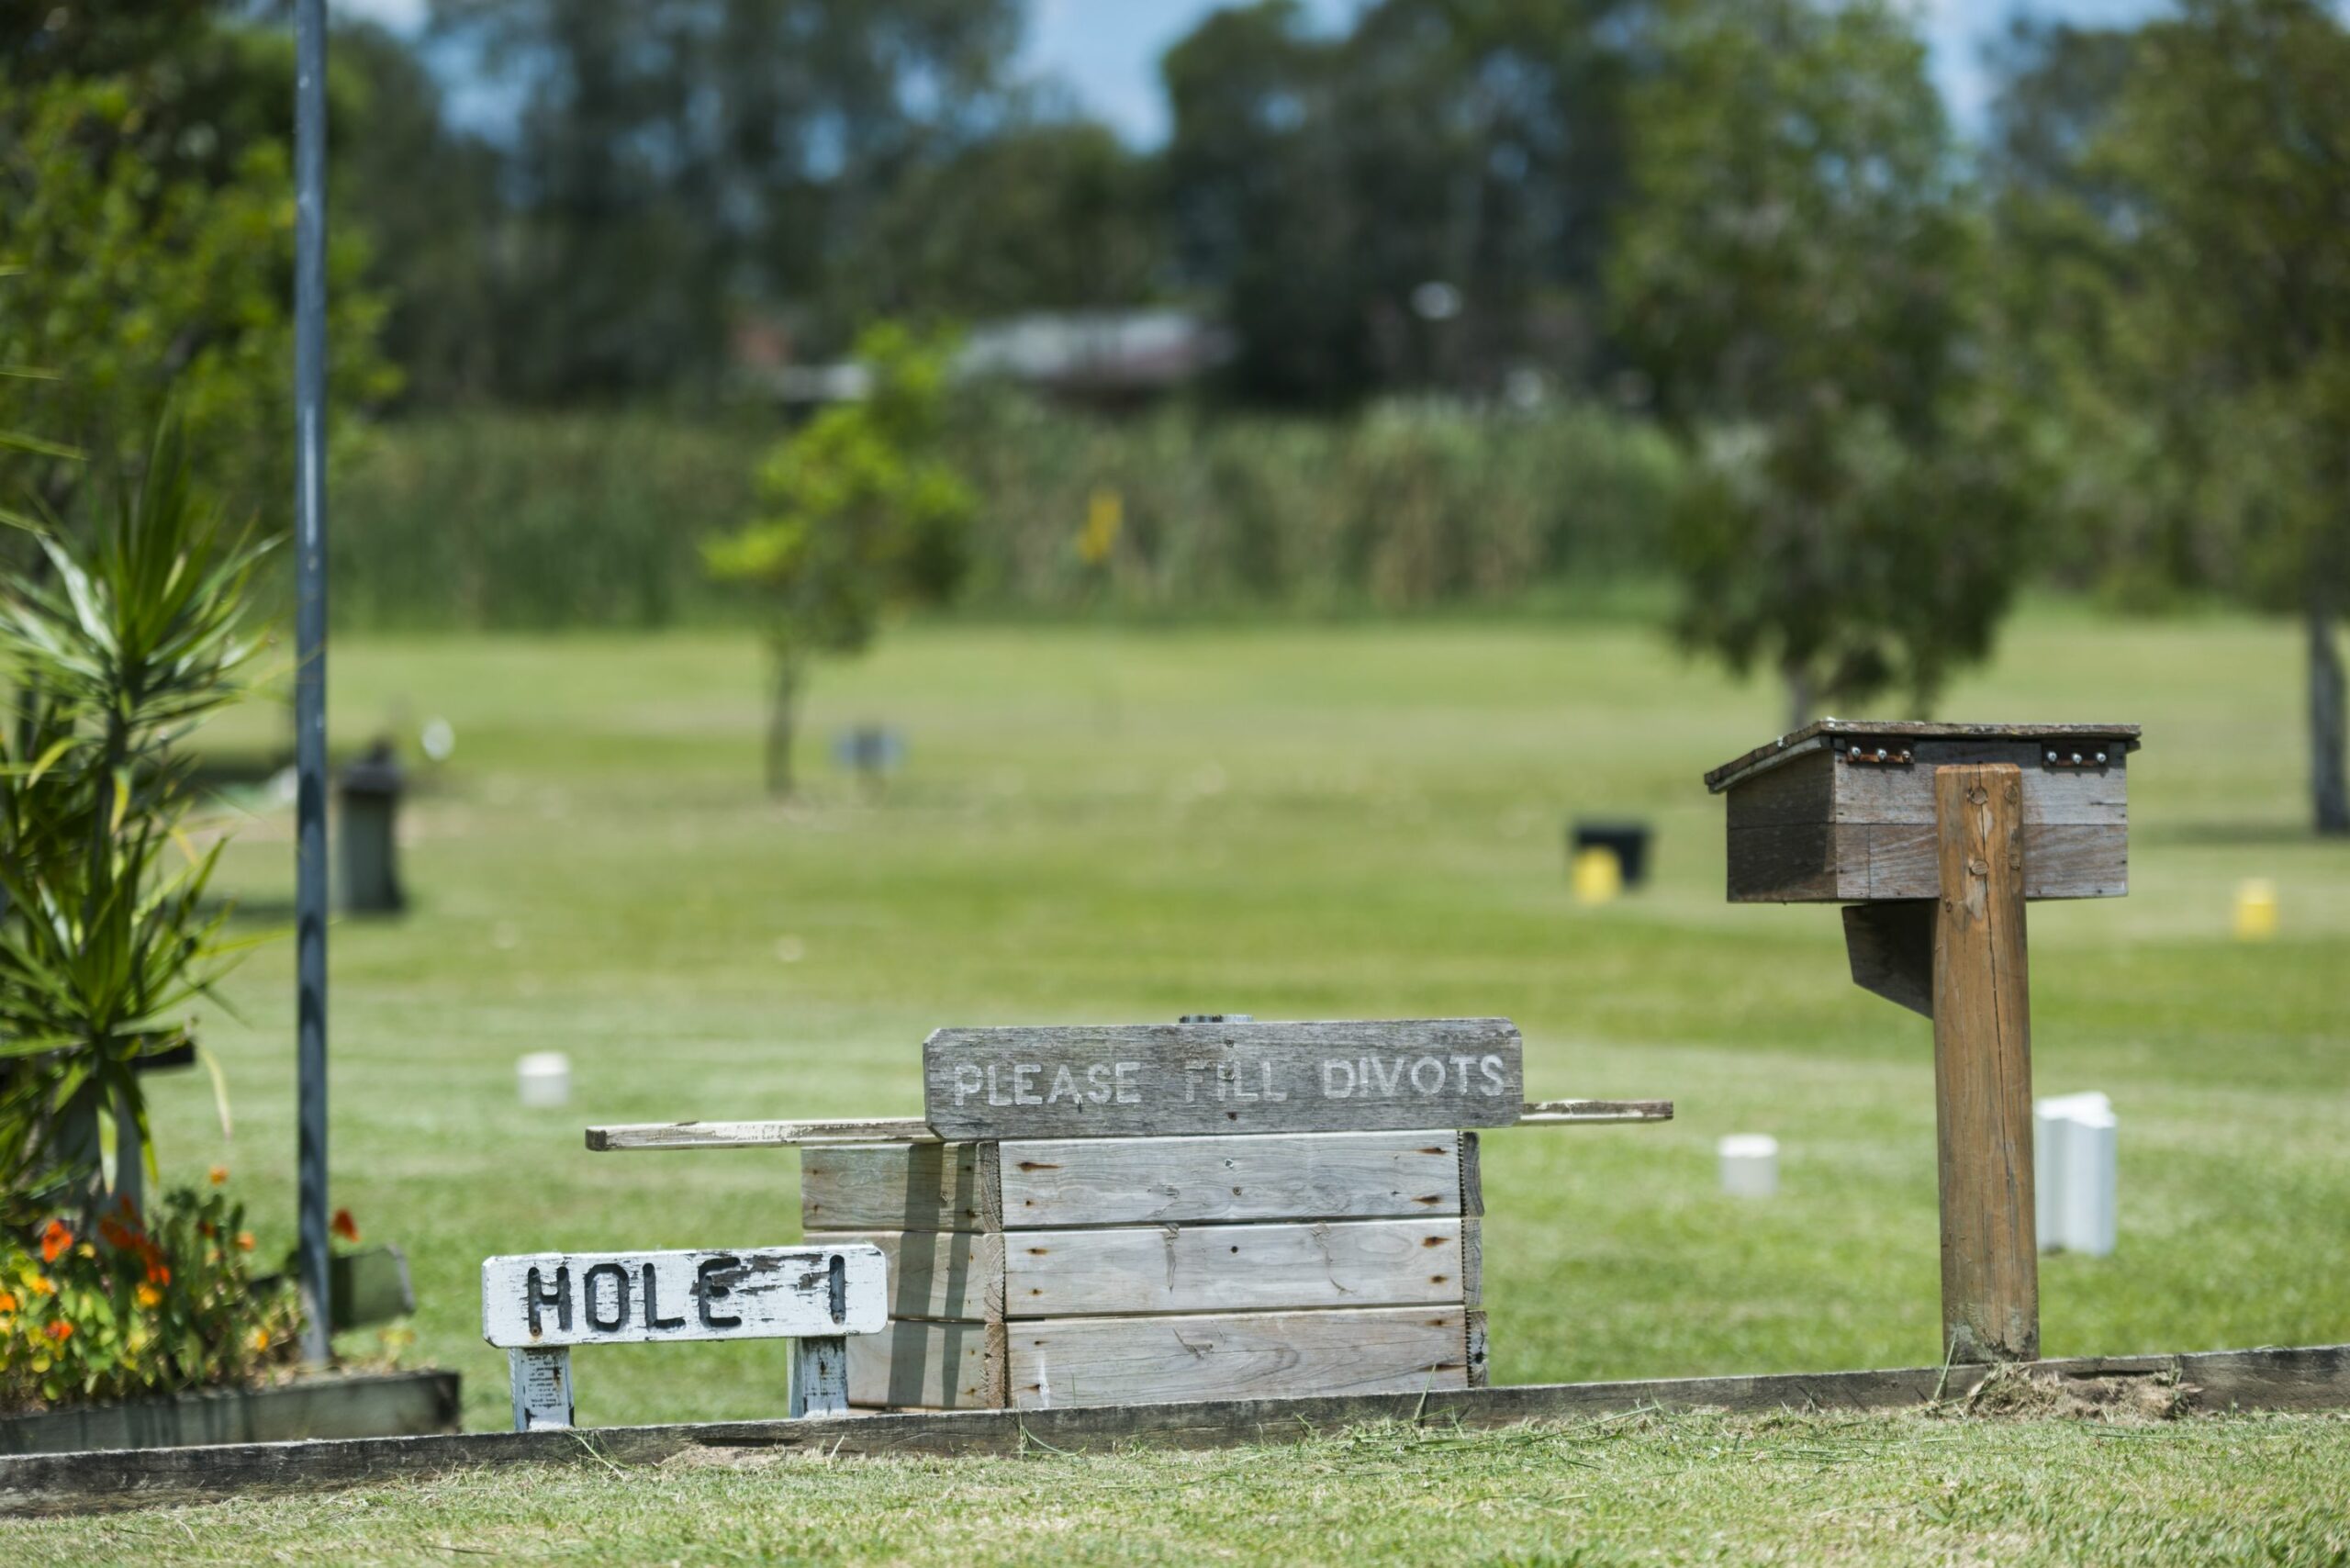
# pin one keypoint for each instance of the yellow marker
(1597, 875)
(1106, 515)
(2255, 909)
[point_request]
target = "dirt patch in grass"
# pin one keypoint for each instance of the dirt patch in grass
(2027, 1394)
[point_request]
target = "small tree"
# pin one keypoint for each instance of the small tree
(104, 936)
(858, 512)
(1795, 279)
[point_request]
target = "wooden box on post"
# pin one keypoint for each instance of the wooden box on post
(1843, 811)
(1935, 836)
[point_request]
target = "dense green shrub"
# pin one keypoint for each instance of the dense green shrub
(541, 520)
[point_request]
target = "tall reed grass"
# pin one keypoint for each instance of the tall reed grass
(534, 520)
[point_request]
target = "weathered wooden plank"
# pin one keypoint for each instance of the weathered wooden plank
(539, 1300)
(1475, 1329)
(1788, 863)
(1165, 1079)
(819, 1377)
(1891, 946)
(1097, 1361)
(2300, 1379)
(1851, 862)
(775, 1135)
(1567, 1113)
(1800, 790)
(2062, 860)
(1081, 1181)
(2087, 796)
(928, 1366)
(374, 1405)
(758, 1134)
(899, 1186)
(1983, 1069)
(1231, 1268)
(1472, 1262)
(1472, 1175)
(540, 1382)
(934, 1273)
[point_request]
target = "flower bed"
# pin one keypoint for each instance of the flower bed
(120, 1309)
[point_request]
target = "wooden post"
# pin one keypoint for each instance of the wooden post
(542, 1381)
(1982, 1005)
(819, 1377)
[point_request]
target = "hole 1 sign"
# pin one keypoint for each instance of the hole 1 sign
(535, 1306)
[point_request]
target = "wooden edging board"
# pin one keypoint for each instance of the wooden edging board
(2308, 1378)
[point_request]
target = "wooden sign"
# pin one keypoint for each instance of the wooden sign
(1122, 1080)
(545, 1299)
(538, 1305)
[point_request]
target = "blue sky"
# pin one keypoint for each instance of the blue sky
(1107, 52)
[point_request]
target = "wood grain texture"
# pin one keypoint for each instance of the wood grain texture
(379, 1405)
(1472, 1262)
(1097, 1361)
(1088, 1182)
(899, 1186)
(1891, 946)
(1167, 1078)
(1231, 1268)
(1472, 1176)
(757, 1135)
(1822, 787)
(540, 1382)
(819, 1378)
(1983, 1069)
(946, 1274)
(543, 1299)
(2307, 1378)
(1857, 862)
(1570, 1113)
(1475, 1333)
(928, 1366)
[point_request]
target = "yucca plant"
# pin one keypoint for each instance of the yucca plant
(135, 633)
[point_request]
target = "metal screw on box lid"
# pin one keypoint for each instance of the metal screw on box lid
(1216, 1018)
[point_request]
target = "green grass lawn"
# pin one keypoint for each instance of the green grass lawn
(1696, 1488)
(1300, 823)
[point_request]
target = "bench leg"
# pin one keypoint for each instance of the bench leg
(819, 1377)
(541, 1382)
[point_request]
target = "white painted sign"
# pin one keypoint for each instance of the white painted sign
(544, 1300)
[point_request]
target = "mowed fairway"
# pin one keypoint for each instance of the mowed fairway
(1347, 822)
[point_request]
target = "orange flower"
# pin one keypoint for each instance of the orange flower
(60, 1331)
(54, 1240)
(344, 1226)
(118, 1235)
(259, 1340)
(40, 1285)
(149, 1296)
(159, 1274)
(220, 1175)
(244, 1241)
(7, 1302)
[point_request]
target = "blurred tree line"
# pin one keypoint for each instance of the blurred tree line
(2107, 342)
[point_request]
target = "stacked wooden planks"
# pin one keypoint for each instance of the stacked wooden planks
(1050, 1272)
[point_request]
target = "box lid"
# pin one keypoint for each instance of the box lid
(1820, 735)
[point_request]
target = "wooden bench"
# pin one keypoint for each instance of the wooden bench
(1221, 1209)
(537, 1306)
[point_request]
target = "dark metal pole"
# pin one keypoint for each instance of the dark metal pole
(310, 667)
